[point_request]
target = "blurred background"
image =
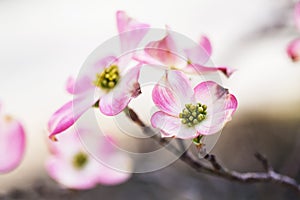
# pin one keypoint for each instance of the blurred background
(43, 42)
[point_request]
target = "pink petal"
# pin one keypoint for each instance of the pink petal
(168, 125)
(297, 15)
(172, 92)
(171, 126)
(101, 64)
(199, 54)
(12, 144)
(213, 123)
(163, 50)
(220, 106)
(110, 176)
(116, 100)
(70, 84)
(144, 58)
(113, 177)
(231, 106)
(63, 172)
(131, 31)
(200, 69)
(66, 116)
(180, 84)
(187, 132)
(166, 100)
(211, 94)
(205, 43)
(293, 50)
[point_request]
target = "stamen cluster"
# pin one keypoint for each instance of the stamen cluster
(80, 160)
(193, 114)
(109, 78)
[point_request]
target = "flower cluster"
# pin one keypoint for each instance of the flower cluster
(112, 82)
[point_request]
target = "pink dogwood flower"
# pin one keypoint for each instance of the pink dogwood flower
(186, 112)
(12, 143)
(293, 48)
(165, 52)
(73, 167)
(111, 83)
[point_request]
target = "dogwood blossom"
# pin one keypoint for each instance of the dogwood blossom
(12, 143)
(110, 83)
(73, 167)
(186, 112)
(165, 53)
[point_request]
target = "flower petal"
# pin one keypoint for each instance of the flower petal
(199, 54)
(66, 116)
(293, 50)
(212, 124)
(166, 99)
(172, 92)
(220, 106)
(70, 84)
(168, 125)
(163, 50)
(12, 144)
(62, 171)
(180, 83)
(171, 126)
(116, 100)
(110, 176)
(131, 31)
(205, 43)
(200, 69)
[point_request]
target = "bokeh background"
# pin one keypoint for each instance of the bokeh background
(43, 42)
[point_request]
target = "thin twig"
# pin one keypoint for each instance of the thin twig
(216, 168)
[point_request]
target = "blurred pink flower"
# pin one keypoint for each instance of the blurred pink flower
(293, 48)
(111, 83)
(75, 168)
(187, 113)
(165, 52)
(12, 143)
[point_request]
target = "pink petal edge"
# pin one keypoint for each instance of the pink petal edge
(221, 106)
(131, 31)
(68, 114)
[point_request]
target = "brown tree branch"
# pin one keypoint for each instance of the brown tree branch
(216, 169)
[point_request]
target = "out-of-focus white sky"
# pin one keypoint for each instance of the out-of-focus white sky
(43, 42)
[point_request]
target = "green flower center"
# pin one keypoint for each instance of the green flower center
(80, 160)
(193, 114)
(109, 78)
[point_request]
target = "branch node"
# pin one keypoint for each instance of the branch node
(213, 161)
(263, 160)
